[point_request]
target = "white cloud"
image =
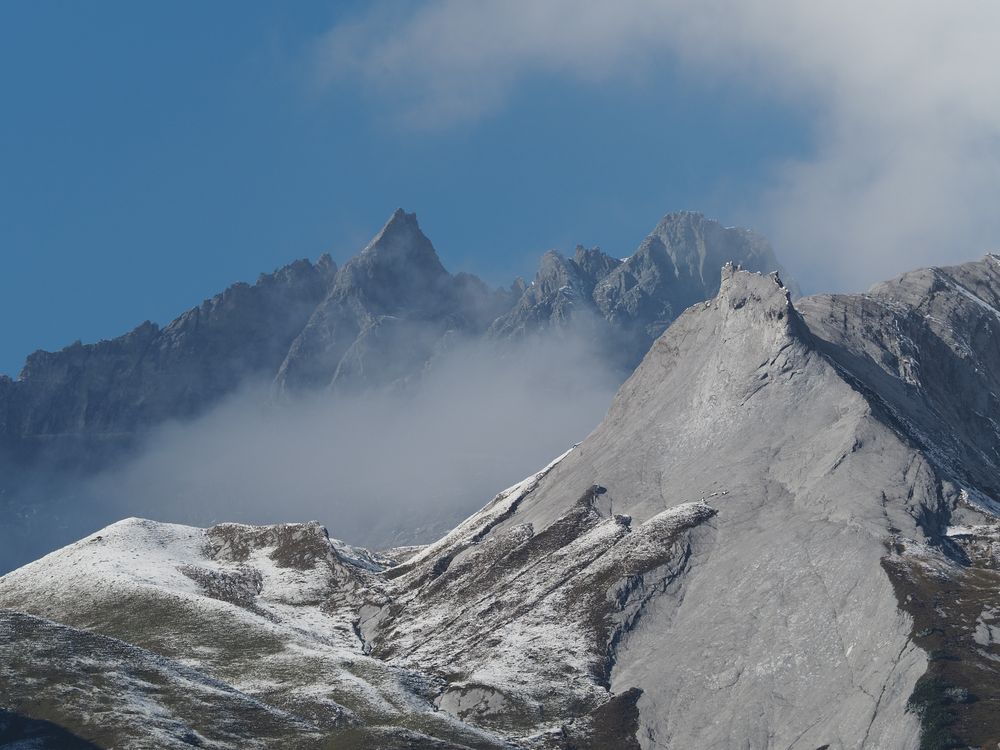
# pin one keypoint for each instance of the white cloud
(454, 60)
(906, 117)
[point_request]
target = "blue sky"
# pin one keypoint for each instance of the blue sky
(153, 153)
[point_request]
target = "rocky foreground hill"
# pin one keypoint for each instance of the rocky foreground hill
(783, 535)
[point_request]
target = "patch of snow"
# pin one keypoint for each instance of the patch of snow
(321, 655)
(961, 531)
(979, 501)
(360, 557)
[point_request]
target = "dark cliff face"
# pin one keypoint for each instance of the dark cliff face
(379, 320)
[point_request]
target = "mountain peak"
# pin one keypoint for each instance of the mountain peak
(683, 215)
(675, 221)
(763, 294)
(594, 262)
(399, 225)
(401, 249)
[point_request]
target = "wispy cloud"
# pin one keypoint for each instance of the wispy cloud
(452, 61)
(907, 124)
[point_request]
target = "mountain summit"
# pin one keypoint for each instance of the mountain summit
(385, 314)
(396, 267)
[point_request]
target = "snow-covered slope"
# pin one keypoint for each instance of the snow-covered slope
(259, 619)
(783, 535)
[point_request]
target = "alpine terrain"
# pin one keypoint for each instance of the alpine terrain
(382, 320)
(376, 320)
(784, 534)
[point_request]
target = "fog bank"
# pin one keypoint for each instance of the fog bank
(397, 466)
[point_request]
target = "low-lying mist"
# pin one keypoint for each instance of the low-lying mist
(399, 466)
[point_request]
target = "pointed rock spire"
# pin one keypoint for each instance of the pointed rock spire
(399, 267)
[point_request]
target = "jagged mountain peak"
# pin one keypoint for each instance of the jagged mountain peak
(683, 216)
(684, 232)
(399, 247)
(594, 262)
(398, 222)
(398, 271)
(388, 309)
(694, 221)
(589, 265)
(552, 258)
(327, 267)
(559, 296)
(698, 245)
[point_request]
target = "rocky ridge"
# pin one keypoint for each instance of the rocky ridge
(88, 400)
(379, 319)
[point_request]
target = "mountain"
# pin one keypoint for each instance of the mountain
(377, 320)
(391, 322)
(784, 534)
(626, 304)
(85, 400)
(388, 309)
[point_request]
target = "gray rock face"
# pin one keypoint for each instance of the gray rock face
(927, 346)
(560, 293)
(833, 467)
(783, 535)
(626, 304)
(387, 310)
(74, 404)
